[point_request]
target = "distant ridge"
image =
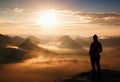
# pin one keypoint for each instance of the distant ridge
(67, 42)
(7, 40)
(81, 41)
(34, 39)
(27, 44)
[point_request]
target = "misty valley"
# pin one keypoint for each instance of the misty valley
(40, 60)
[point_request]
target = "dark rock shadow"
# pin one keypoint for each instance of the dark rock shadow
(107, 76)
(11, 55)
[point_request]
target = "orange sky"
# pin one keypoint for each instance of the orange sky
(57, 21)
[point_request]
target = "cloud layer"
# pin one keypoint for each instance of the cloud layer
(94, 18)
(19, 10)
(68, 16)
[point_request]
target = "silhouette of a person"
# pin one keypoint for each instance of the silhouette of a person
(94, 52)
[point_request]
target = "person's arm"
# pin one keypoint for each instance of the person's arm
(101, 48)
(90, 49)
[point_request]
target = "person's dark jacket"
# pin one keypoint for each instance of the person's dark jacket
(95, 48)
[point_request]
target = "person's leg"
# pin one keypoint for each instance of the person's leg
(93, 66)
(98, 66)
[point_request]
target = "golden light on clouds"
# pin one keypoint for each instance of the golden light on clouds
(56, 21)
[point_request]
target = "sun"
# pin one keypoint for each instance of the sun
(48, 19)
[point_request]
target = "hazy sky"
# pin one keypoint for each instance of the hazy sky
(72, 17)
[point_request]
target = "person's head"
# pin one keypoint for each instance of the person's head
(95, 37)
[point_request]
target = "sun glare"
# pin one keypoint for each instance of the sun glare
(48, 19)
